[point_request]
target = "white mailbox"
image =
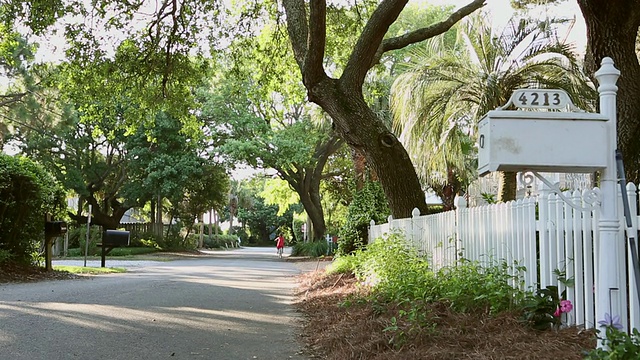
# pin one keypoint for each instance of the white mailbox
(544, 141)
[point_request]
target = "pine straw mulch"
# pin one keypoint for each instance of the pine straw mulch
(19, 273)
(357, 331)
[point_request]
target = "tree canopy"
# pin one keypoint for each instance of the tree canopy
(136, 60)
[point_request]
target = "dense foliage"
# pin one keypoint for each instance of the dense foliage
(369, 203)
(27, 193)
(313, 248)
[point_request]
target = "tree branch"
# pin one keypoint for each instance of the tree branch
(313, 68)
(369, 41)
(9, 99)
(430, 31)
(356, 71)
(298, 29)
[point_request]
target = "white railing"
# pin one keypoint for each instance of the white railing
(543, 235)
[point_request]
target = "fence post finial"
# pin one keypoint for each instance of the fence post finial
(460, 202)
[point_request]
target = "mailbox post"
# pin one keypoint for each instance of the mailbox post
(566, 142)
(52, 229)
(610, 297)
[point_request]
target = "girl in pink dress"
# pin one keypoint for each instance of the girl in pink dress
(280, 244)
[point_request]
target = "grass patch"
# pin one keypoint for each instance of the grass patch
(88, 270)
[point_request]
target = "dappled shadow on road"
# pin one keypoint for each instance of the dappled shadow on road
(206, 308)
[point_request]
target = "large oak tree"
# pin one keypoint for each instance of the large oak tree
(342, 98)
(612, 31)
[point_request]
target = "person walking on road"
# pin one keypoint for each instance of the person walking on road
(280, 245)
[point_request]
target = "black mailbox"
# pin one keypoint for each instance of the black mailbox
(115, 238)
(55, 228)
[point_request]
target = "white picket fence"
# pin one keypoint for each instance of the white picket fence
(543, 235)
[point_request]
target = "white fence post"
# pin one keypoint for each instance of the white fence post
(543, 235)
(414, 235)
(578, 260)
(634, 302)
(588, 222)
(529, 246)
(462, 216)
(610, 293)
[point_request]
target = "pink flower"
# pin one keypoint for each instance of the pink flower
(557, 313)
(566, 306)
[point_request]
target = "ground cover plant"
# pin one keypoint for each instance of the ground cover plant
(387, 303)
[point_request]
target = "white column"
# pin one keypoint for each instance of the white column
(610, 286)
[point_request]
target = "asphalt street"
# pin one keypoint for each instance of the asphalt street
(232, 305)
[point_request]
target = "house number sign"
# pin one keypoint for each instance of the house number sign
(540, 99)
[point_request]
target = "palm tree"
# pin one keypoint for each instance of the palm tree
(446, 90)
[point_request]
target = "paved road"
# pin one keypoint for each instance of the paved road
(232, 305)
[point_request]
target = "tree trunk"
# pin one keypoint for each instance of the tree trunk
(612, 30)
(313, 207)
(342, 98)
(507, 186)
(158, 224)
(100, 216)
(359, 165)
(448, 191)
(364, 131)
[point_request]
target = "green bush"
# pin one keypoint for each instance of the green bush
(79, 236)
(220, 241)
(343, 264)
(312, 248)
(143, 239)
(617, 345)
(369, 203)
(393, 267)
(471, 286)
(27, 193)
(400, 278)
(5, 256)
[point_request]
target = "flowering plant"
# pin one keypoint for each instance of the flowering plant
(616, 344)
(544, 308)
(564, 307)
(609, 321)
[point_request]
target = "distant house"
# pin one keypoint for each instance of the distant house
(133, 215)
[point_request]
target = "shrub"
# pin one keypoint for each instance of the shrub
(221, 241)
(617, 345)
(27, 193)
(471, 286)
(5, 256)
(127, 251)
(392, 267)
(119, 251)
(312, 248)
(343, 264)
(79, 236)
(369, 203)
(400, 278)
